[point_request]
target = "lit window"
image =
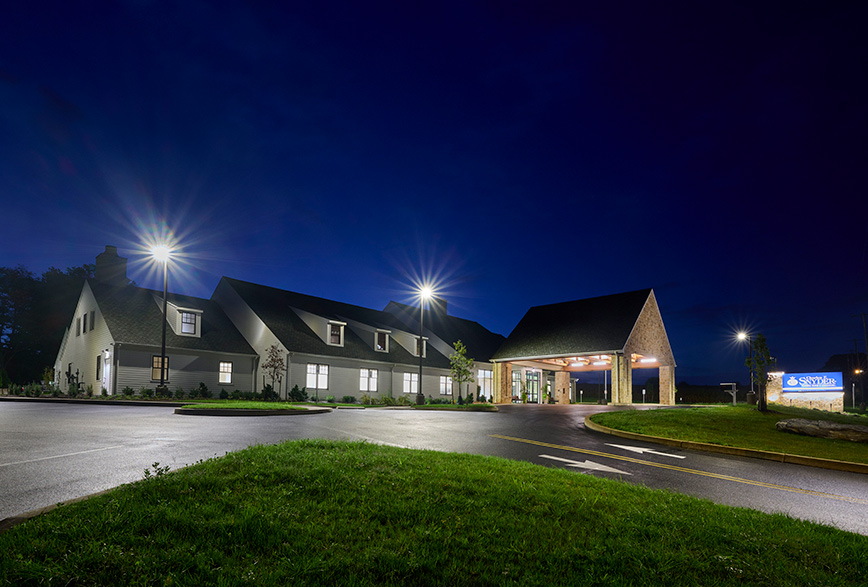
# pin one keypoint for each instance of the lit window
(485, 379)
(516, 383)
(188, 323)
(411, 383)
(445, 385)
(381, 342)
(317, 376)
(155, 369)
(225, 372)
(367, 380)
(424, 344)
(336, 334)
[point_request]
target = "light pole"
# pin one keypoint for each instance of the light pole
(162, 253)
(746, 336)
(424, 294)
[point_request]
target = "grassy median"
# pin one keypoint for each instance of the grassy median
(742, 426)
(337, 513)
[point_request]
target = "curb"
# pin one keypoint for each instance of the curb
(732, 450)
(248, 412)
(98, 402)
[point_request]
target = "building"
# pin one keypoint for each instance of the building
(336, 349)
(114, 339)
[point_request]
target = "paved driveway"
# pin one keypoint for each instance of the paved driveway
(51, 453)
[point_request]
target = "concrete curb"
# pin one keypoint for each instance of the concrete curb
(732, 450)
(98, 402)
(248, 412)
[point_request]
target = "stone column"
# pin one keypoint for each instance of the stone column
(667, 386)
(562, 387)
(502, 383)
(622, 380)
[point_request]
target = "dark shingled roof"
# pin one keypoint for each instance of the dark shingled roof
(275, 308)
(572, 328)
(134, 316)
(481, 343)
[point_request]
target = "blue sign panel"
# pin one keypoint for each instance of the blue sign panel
(795, 382)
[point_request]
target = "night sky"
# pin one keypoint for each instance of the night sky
(519, 153)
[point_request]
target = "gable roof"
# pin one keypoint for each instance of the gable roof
(133, 315)
(276, 308)
(593, 325)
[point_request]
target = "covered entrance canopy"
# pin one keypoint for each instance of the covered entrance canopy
(619, 332)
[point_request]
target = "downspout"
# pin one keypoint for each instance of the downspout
(288, 375)
(254, 374)
(116, 361)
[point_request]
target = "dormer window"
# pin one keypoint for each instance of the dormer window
(188, 323)
(421, 347)
(381, 341)
(336, 333)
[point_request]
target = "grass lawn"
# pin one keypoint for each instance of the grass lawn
(742, 426)
(243, 405)
(338, 513)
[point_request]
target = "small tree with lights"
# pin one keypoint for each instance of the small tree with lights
(759, 362)
(460, 366)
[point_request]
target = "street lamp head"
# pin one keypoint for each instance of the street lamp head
(743, 335)
(161, 253)
(426, 292)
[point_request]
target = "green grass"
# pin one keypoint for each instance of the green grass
(243, 405)
(741, 426)
(337, 513)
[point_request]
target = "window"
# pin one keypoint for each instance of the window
(381, 342)
(155, 369)
(424, 344)
(411, 383)
(317, 376)
(336, 334)
(91, 319)
(84, 323)
(225, 375)
(445, 384)
(98, 367)
(367, 380)
(188, 323)
(485, 379)
(78, 326)
(516, 383)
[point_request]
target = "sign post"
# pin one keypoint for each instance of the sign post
(730, 391)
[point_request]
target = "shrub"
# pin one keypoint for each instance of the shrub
(298, 395)
(469, 399)
(15, 389)
(204, 392)
(55, 391)
(163, 392)
(268, 393)
(224, 394)
(366, 400)
(236, 394)
(438, 400)
(179, 392)
(330, 399)
(348, 399)
(88, 391)
(146, 392)
(103, 392)
(247, 395)
(35, 390)
(128, 391)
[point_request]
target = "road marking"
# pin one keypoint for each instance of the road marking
(71, 454)
(685, 470)
(587, 465)
(641, 450)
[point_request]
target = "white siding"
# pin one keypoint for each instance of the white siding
(82, 350)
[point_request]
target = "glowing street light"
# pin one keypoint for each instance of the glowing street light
(425, 293)
(745, 336)
(162, 253)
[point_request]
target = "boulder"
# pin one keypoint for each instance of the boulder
(824, 429)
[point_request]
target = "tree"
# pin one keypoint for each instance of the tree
(460, 366)
(274, 365)
(759, 362)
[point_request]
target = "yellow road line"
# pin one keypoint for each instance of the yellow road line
(686, 470)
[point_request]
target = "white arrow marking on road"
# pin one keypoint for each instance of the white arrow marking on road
(586, 465)
(644, 450)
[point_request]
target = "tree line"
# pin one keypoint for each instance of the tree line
(34, 312)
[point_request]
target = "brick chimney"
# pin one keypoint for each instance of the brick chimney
(110, 267)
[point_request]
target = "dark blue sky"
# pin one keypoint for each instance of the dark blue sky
(524, 153)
